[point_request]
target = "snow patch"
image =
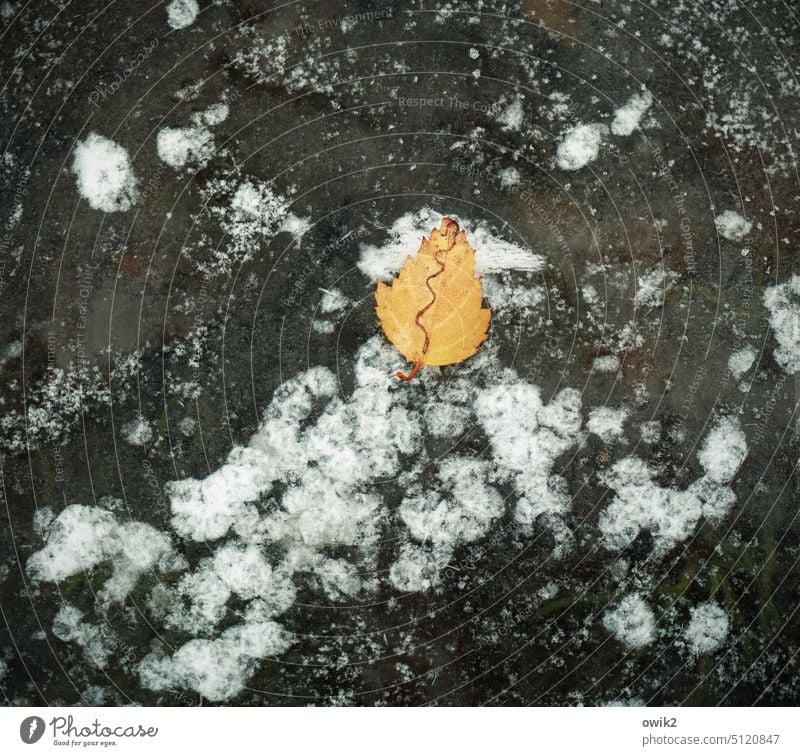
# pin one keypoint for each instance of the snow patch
(707, 629)
(104, 174)
(459, 509)
(627, 118)
(217, 669)
(651, 288)
(650, 431)
(333, 301)
(68, 626)
(607, 363)
(723, 450)
(741, 361)
(509, 177)
(493, 253)
(512, 117)
(82, 537)
(732, 226)
(607, 423)
(668, 513)
(182, 13)
(783, 303)
(191, 145)
(632, 622)
(137, 432)
(580, 146)
(527, 437)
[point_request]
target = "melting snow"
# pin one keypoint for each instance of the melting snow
(312, 480)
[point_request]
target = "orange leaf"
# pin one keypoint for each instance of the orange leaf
(432, 312)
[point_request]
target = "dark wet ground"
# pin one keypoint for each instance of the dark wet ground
(80, 285)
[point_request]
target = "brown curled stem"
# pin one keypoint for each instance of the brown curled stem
(418, 364)
(403, 377)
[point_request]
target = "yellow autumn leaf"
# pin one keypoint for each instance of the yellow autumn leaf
(432, 312)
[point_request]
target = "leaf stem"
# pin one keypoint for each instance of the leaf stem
(403, 377)
(418, 364)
